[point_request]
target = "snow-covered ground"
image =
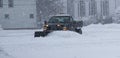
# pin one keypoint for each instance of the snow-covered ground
(97, 41)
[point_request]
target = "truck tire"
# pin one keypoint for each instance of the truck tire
(78, 31)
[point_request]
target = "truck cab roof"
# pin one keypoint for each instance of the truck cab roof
(62, 15)
(60, 19)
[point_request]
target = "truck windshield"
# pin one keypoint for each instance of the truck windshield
(59, 19)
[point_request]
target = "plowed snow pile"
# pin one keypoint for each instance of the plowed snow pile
(97, 41)
(64, 34)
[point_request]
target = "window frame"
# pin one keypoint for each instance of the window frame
(10, 3)
(1, 3)
(7, 16)
(31, 16)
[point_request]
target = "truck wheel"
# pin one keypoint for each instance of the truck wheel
(79, 31)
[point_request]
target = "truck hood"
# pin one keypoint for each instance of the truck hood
(58, 23)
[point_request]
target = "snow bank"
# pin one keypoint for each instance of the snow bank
(3, 54)
(64, 34)
(97, 41)
(103, 27)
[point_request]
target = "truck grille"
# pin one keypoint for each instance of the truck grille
(54, 27)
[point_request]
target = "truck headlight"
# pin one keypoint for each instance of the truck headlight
(58, 25)
(46, 25)
(64, 28)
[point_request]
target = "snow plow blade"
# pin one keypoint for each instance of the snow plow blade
(41, 33)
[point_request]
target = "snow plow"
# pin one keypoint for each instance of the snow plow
(60, 22)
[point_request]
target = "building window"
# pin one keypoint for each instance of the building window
(10, 3)
(81, 9)
(92, 7)
(7, 16)
(1, 3)
(31, 16)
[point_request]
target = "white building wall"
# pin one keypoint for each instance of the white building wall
(76, 9)
(111, 7)
(18, 14)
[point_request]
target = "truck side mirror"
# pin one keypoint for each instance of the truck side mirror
(81, 23)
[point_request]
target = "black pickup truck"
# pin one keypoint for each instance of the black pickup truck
(60, 22)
